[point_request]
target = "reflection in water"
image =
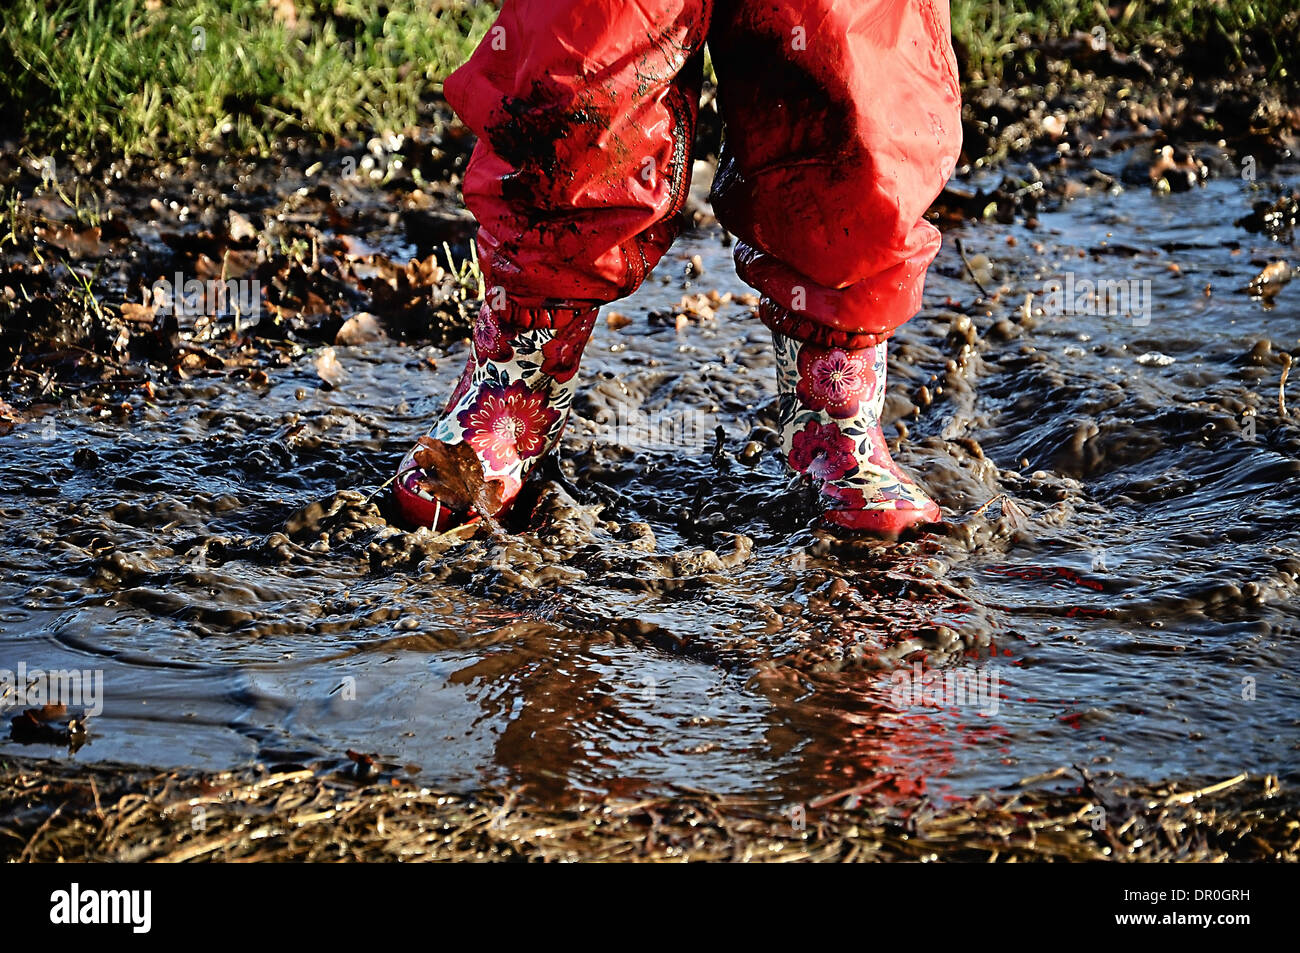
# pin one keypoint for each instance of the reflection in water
(1134, 592)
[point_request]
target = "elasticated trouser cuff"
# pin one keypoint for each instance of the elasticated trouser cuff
(804, 328)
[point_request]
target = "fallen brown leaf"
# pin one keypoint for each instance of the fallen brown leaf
(239, 264)
(143, 313)
(49, 724)
(79, 243)
(455, 476)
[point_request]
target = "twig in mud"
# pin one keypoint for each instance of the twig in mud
(1045, 776)
(961, 250)
(1091, 788)
(282, 778)
(459, 531)
(1281, 387)
(1189, 796)
(380, 489)
(31, 843)
(1013, 513)
(856, 791)
(199, 848)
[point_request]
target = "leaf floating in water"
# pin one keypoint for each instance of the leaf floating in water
(454, 474)
(50, 725)
(365, 766)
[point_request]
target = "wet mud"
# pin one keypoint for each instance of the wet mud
(660, 610)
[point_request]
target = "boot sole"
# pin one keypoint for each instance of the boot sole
(417, 510)
(886, 523)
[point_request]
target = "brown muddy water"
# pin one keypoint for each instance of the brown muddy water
(662, 611)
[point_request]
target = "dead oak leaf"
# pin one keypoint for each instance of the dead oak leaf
(78, 243)
(454, 474)
(140, 313)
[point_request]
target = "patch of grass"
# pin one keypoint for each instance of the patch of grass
(143, 77)
(139, 77)
(993, 31)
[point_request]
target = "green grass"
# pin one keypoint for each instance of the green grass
(992, 30)
(199, 74)
(154, 78)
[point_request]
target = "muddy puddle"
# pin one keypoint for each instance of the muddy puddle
(662, 611)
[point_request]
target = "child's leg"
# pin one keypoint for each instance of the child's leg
(584, 112)
(843, 124)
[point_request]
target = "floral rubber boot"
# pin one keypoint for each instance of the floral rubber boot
(830, 404)
(510, 406)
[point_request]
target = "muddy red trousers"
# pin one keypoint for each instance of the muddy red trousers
(842, 124)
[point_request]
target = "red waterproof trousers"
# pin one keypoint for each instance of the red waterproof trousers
(842, 123)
